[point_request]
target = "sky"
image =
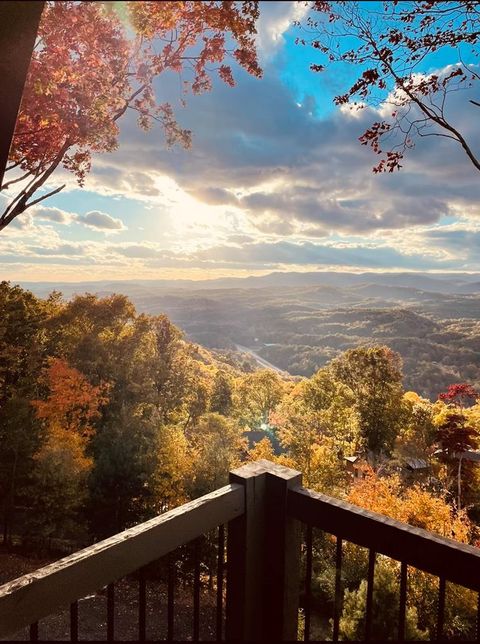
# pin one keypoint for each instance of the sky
(275, 180)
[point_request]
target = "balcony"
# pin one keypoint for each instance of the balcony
(266, 520)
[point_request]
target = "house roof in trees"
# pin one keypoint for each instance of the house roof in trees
(416, 464)
(352, 459)
(469, 455)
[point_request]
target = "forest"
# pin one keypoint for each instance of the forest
(300, 321)
(109, 417)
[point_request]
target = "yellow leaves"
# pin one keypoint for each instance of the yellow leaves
(262, 450)
(411, 396)
(64, 451)
(413, 505)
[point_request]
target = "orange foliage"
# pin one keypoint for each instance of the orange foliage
(72, 402)
(413, 505)
(88, 69)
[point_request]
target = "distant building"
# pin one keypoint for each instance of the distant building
(413, 469)
(357, 466)
(469, 455)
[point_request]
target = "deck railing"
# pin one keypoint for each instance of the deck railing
(265, 509)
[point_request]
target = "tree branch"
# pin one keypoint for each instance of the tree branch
(49, 194)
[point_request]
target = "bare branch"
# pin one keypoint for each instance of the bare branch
(46, 196)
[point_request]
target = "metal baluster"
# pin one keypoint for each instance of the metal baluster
(142, 606)
(368, 609)
(171, 597)
(478, 617)
(403, 602)
(196, 591)
(74, 622)
(110, 612)
(34, 632)
(220, 569)
(441, 608)
(338, 590)
(308, 584)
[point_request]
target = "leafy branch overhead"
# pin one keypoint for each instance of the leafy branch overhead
(87, 72)
(390, 48)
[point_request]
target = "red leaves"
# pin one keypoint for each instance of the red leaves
(397, 49)
(372, 137)
(390, 163)
(225, 73)
(460, 393)
(86, 72)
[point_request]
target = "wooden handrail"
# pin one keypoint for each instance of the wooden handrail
(457, 562)
(27, 599)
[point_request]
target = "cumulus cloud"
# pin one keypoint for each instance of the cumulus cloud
(290, 172)
(56, 215)
(275, 19)
(101, 221)
(281, 187)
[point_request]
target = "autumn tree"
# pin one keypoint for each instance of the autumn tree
(86, 72)
(455, 436)
(22, 353)
(173, 468)
(418, 507)
(418, 433)
(395, 51)
(262, 450)
(216, 445)
(67, 414)
(318, 425)
(256, 395)
(374, 375)
(461, 395)
(221, 400)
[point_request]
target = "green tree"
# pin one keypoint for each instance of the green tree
(221, 399)
(374, 375)
(216, 446)
(122, 482)
(22, 353)
(318, 424)
(334, 403)
(256, 395)
(385, 608)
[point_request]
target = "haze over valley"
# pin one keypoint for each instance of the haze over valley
(297, 322)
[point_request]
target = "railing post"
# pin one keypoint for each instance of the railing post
(282, 575)
(263, 551)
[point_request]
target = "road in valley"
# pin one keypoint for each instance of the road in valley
(261, 361)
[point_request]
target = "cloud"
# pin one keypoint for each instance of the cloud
(101, 221)
(136, 251)
(267, 184)
(56, 215)
(247, 253)
(290, 173)
(65, 250)
(309, 253)
(275, 19)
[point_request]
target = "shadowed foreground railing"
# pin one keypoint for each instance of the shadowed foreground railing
(264, 508)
